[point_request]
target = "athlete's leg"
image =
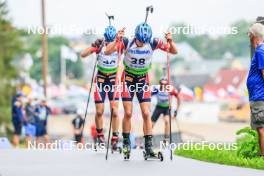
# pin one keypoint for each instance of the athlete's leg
(99, 99)
(144, 98)
(166, 126)
(115, 124)
(155, 116)
(128, 109)
(127, 97)
(99, 121)
(114, 108)
(145, 111)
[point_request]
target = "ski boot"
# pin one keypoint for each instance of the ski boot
(114, 144)
(100, 141)
(149, 153)
(126, 151)
(126, 146)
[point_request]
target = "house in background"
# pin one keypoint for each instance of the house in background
(226, 84)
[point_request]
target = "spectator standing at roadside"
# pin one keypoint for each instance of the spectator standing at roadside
(255, 82)
(78, 124)
(42, 113)
(30, 126)
(17, 117)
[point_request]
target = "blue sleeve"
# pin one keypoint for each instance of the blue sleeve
(260, 58)
(154, 43)
(154, 91)
(125, 41)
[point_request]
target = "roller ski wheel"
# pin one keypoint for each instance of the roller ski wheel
(126, 153)
(156, 156)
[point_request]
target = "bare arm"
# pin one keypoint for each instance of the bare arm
(87, 52)
(178, 101)
(110, 48)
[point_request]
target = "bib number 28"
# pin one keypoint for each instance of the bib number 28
(140, 61)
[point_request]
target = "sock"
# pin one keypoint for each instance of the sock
(115, 134)
(99, 130)
(126, 139)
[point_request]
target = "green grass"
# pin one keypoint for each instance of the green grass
(225, 157)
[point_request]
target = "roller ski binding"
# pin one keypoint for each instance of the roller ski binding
(115, 145)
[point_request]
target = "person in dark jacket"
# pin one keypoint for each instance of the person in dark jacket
(17, 117)
(30, 125)
(42, 113)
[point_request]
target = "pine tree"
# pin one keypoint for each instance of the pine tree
(10, 47)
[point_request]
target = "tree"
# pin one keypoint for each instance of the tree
(10, 46)
(214, 48)
(75, 70)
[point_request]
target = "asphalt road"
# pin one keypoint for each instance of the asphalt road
(85, 163)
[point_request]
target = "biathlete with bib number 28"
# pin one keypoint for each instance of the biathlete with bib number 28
(104, 84)
(138, 53)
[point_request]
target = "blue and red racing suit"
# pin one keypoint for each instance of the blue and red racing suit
(106, 74)
(137, 63)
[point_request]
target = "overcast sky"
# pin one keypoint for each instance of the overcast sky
(128, 13)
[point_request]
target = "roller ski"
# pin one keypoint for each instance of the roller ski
(149, 153)
(153, 155)
(126, 152)
(115, 147)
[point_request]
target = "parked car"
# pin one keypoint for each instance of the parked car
(235, 112)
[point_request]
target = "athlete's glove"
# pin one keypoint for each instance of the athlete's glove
(97, 43)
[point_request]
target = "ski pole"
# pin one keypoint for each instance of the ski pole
(91, 87)
(114, 96)
(148, 9)
(110, 17)
(169, 101)
(89, 95)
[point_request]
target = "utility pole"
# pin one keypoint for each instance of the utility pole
(44, 48)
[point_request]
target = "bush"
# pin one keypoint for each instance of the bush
(248, 146)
